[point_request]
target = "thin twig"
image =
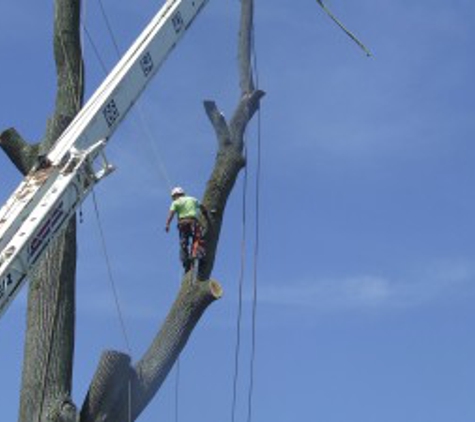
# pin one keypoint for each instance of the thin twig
(347, 32)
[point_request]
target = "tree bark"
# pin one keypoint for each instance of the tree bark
(21, 154)
(49, 345)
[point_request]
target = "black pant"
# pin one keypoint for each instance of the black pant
(190, 238)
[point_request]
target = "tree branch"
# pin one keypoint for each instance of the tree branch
(246, 33)
(219, 123)
(343, 28)
(149, 373)
(112, 373)
(20, 153)
(243, 114)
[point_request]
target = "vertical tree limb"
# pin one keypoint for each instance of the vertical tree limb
(49, 345)
(245, 46)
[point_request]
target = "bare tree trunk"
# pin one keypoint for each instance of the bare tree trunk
(49, 345)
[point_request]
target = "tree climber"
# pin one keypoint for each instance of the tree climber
(187, 209)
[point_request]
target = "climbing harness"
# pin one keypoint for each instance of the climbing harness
(192, 245)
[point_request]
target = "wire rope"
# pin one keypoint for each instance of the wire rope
(240, 292)
(109, 27)
(110, 274)
(161, 168)
(255, 280)
(94, 49)
(256, 239)
(104, 246)
(116, 299)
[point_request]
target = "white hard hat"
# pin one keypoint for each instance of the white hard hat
(177, 191)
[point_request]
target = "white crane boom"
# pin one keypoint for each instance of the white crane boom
(50, 194)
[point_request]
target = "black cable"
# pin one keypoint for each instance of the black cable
(94, 48)
(110, 274)
(255, 277)
(177, 389)
(161, 168)
(109, 27)
(240, 292)
(256, 241)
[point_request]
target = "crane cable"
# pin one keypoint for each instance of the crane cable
(240, 291)
(255, 260)
(257, 234)
(162, 170)
(110, 273)
(254, 285)
(255, 277)
(116, 298)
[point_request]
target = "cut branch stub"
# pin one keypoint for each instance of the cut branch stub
(113, 371)
(21, 154)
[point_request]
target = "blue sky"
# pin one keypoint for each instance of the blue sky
(366, 259)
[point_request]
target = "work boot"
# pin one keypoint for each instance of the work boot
(187, 264)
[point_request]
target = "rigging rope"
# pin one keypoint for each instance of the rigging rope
(110, 274)
(94, 49)
(255, 273)
(255, 263)
(257, 235)
(116, 300)
(252, 69)
(240, 293)
(109, 27)
(104, 245)
(160, 168)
